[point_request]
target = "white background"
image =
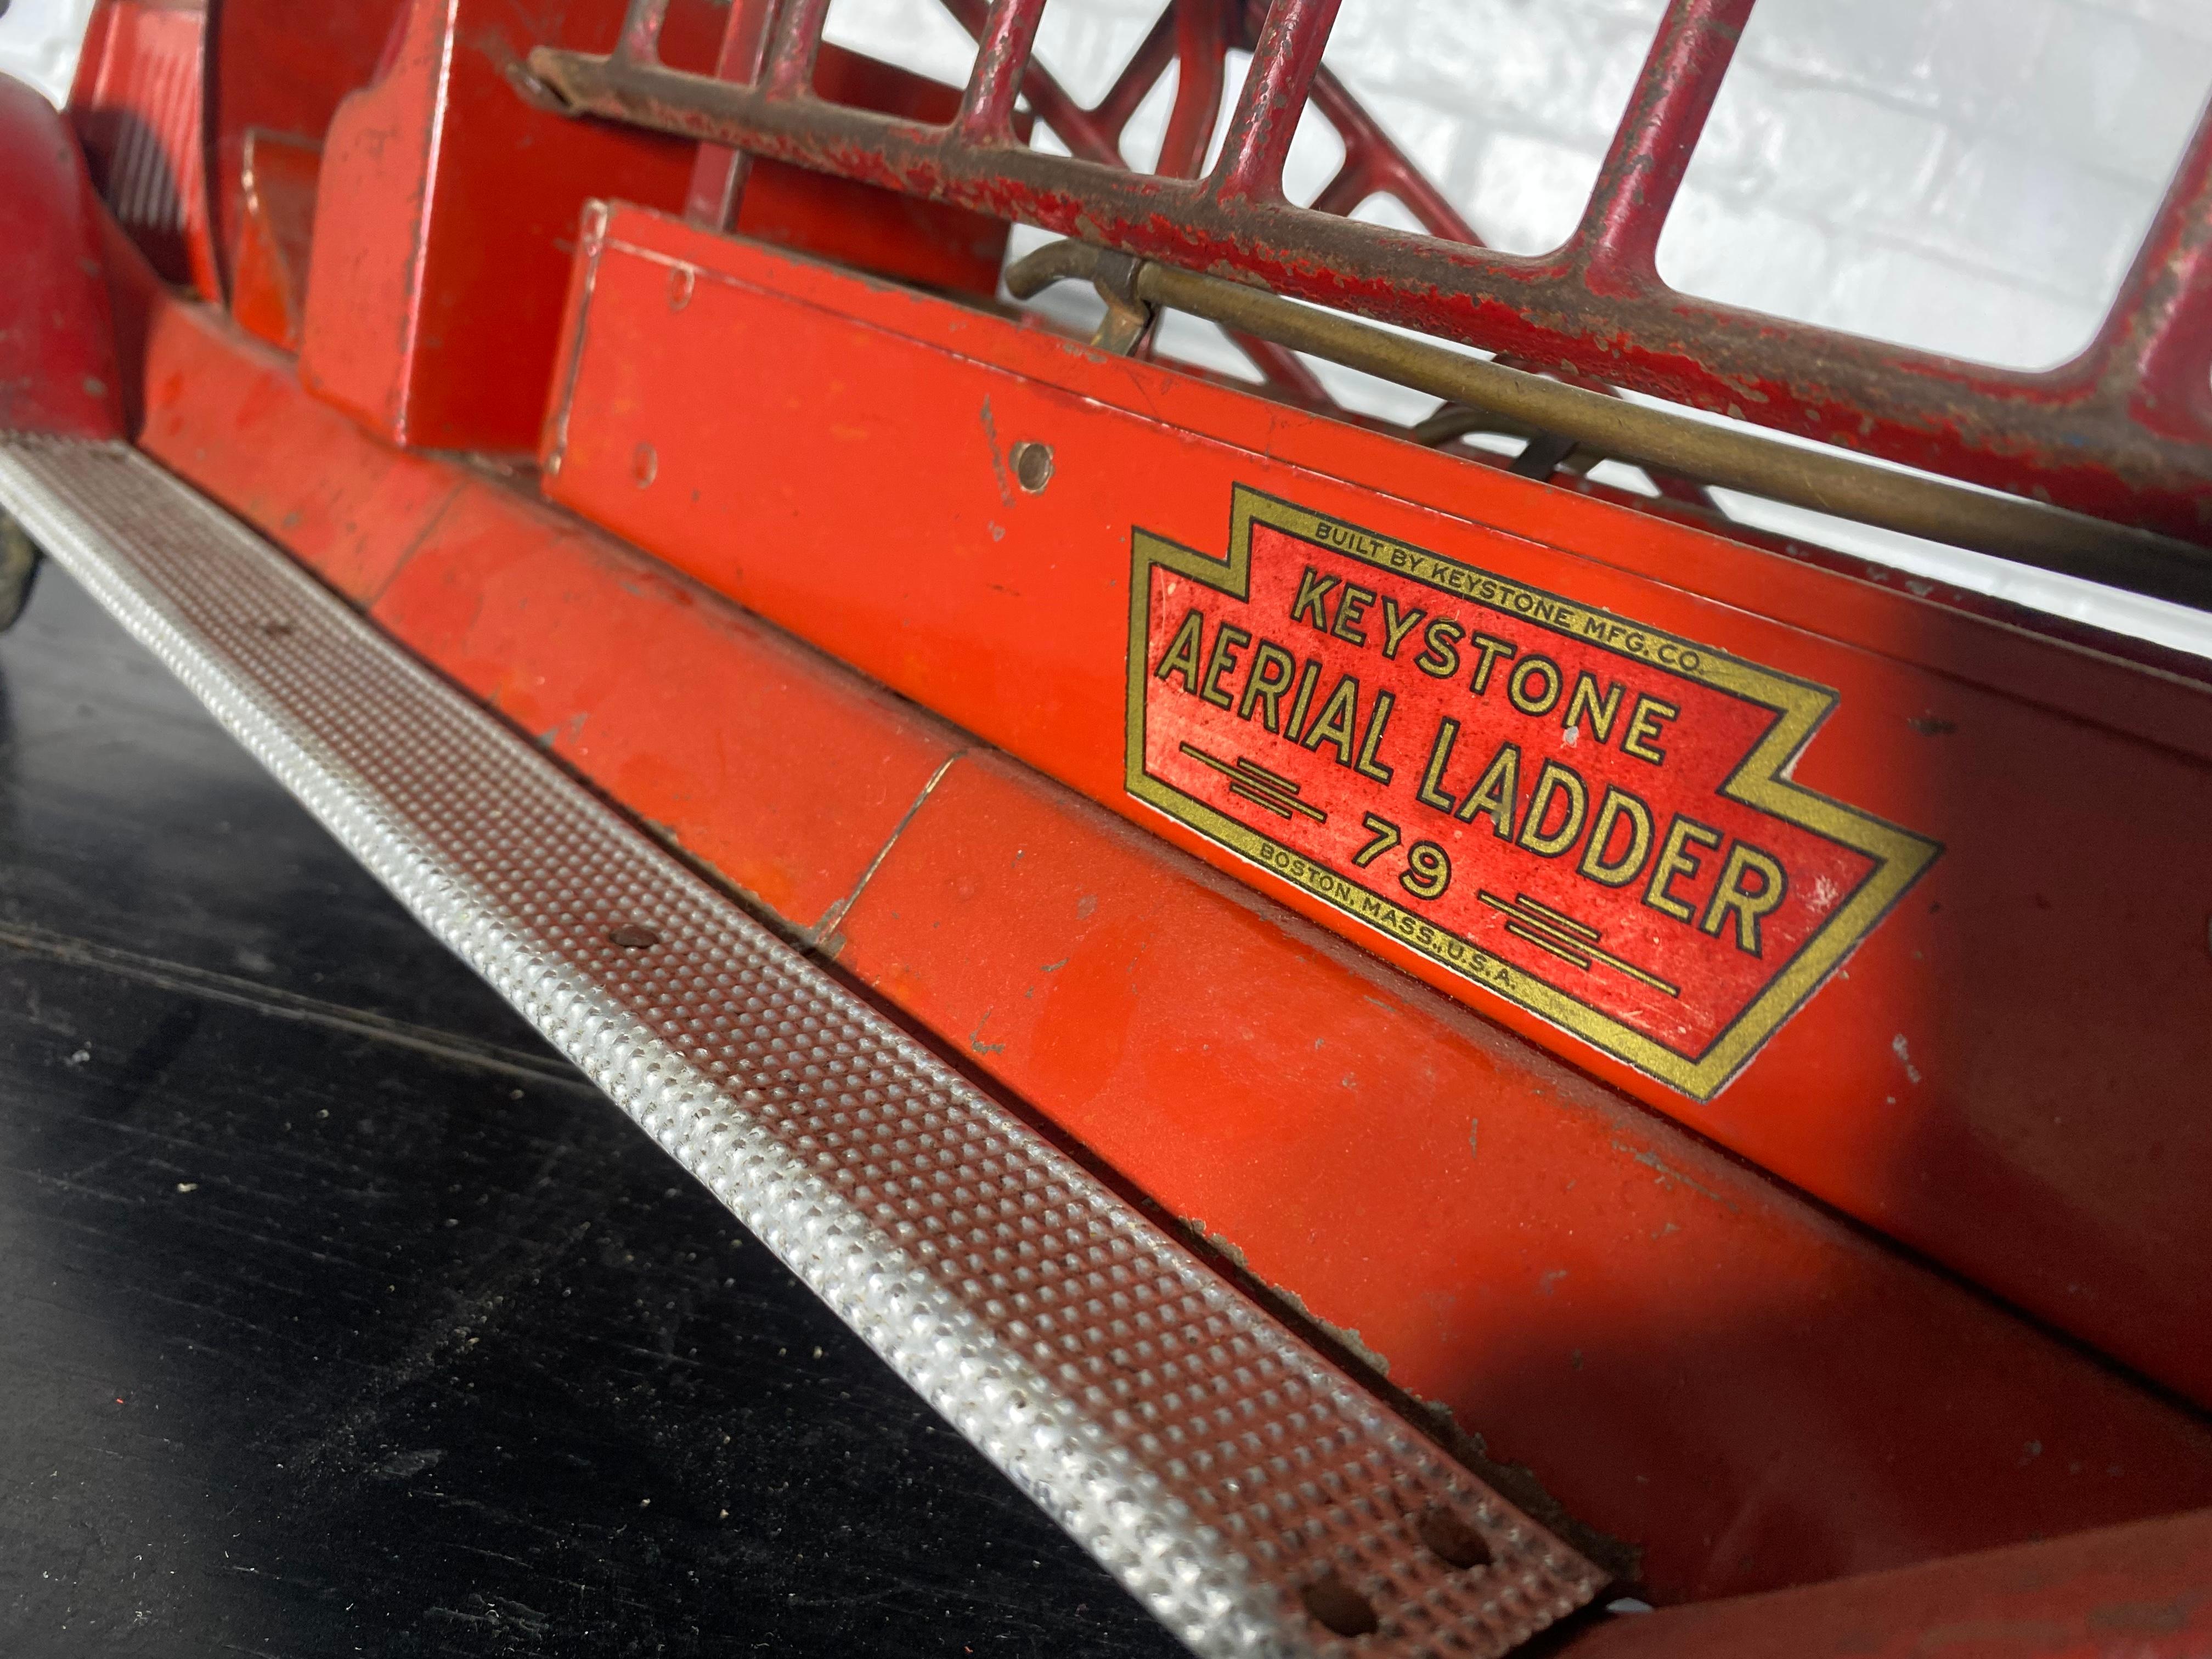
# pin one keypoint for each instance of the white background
(38, 42)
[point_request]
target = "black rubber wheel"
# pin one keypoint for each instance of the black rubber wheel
(19, 566)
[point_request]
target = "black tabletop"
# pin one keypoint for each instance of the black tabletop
(337, 1315)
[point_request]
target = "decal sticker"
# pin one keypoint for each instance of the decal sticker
(1588, 816)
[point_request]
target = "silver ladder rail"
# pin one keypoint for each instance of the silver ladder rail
(1255, 1498)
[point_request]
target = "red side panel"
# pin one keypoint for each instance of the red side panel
(445, 223)
(451, 197)
(1682, 1353)
(281, 67)
(58, 371)
(276, 210)
(2140, 1592)
(362, 505)
(137, 107)
(1978, 1021)
(791, 794)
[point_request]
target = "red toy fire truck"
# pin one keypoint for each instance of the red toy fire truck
(1415, 1043)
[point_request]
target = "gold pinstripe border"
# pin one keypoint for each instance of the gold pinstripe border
(1899, 855)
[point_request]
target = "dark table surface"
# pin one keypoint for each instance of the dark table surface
(338, 1316)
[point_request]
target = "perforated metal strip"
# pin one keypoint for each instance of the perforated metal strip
(1241, 1488)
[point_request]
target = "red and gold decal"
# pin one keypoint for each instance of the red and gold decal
(1588, 816)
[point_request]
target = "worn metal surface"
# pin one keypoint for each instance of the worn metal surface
(2133, 1592)
(427, 303)
(1801, 1420)
(57, 364)
(1255, 1499)
(280, 71)
(2120, 433)
(2007, 525)
(277, 189)
(433, 302)
(883, 231)
(1937, 1083)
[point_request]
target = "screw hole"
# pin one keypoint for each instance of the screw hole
(631, 936)
(681, 280)
(644, 465)
(1032, 467)
(1338, 1607)
(1451, 1541)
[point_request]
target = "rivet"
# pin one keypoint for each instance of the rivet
(1451, 1539)
(1032, 466)
(681, 280)
(644, 465)
(1338, 1607)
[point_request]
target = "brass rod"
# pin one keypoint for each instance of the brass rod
(2010, 526)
